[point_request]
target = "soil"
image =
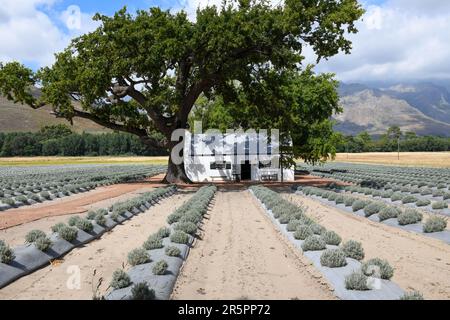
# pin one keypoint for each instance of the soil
(96, 261)
(242, 256)
(421, 263)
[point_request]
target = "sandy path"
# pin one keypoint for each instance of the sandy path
(71, 204)
(102, 256)
(420, 263)
(243, 256)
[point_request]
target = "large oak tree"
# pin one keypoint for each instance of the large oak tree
(143, 73)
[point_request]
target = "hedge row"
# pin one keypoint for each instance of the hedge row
(162, 253)
(315, 237)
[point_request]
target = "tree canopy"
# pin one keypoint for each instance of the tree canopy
(143, 73)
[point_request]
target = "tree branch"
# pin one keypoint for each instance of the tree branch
(141, 133)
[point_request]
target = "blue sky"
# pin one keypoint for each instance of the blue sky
(398, 39)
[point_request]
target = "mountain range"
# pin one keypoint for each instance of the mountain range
(420, 107)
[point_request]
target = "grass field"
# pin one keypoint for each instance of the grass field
(39, 161)
(416, 159)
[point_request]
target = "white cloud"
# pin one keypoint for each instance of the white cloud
(30, 35)
(400, 40)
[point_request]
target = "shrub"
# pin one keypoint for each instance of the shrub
(331, 237)
(160, 268)
(179, 236)
(6, 253)
(386, 194)
(85, 225)
(57, 227)
(33, 235)
(187, 227)
(43, 243)
(114, 216)
(423, 202)
(396, 196)
(356, 281)
(284, 219)
(438, 205)
(359, 204)
(141, 291)
(353, 249)
(138, 256)
(332, 196)
(377, 268)
(8, 201)
(73, 221)
(293, 225)
(410, 216)
(349, 201)
(435, 224)
(339, 199)
(68, 233)
(303, 232)
(100, 219)
(333, 258)
(388, 213)
(91, 215)
(172, 251)
(313, 243)
(35, 197)
(317, 229)
(45, 195)
(153, 242)
(22, 199)
(413, 295)
(191, 216)
(102, 211)
(120, 279)
(409, 199)
(173, 217)
(373, 208)
(426, 192)
(438, 193)
(163, 232)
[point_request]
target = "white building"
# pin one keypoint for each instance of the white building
(235, 156)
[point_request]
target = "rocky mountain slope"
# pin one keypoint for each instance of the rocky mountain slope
(423, 108)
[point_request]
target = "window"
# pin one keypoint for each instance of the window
(220, 165)
(265, 164)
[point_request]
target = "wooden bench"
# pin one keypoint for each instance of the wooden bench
(269, 177)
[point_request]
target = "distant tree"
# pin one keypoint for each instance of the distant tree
(410, 135)
(143, 73)
(54, 131)
(50, 147)
(21, 144)
(364, 141)
(72, 145)
(394, 132)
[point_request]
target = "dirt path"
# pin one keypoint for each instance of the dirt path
(420, 263)
(242, 256)
(102, 256)
(72, 204)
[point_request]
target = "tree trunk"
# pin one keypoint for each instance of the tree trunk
(176, 173)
